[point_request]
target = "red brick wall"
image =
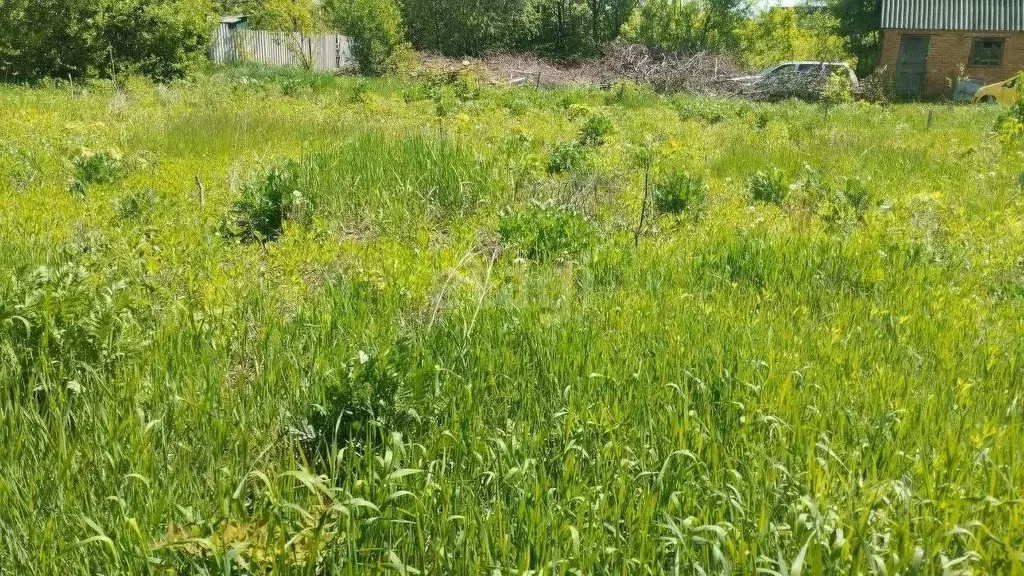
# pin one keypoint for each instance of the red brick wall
(948, 49)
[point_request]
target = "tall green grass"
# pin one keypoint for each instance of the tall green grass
(454, 362)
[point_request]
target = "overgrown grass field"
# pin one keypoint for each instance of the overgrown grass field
(295, 324)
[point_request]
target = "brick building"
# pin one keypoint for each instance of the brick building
(926, 42)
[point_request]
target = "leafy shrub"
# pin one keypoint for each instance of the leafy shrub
(418, 92)
(267, 203)
(543, 231)
(376, 29)
(58, 331)
(836, 206)
(362, 401)
(768, 186)
(838, 90)
(1011, 124)
(814, 195)
(568, 157)
(858, 195)
(679, 191)
(96, 167)
(467, 85)
(134, 205)
(594, 130)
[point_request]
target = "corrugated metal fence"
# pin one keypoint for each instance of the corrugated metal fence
(320, 51)
(979, 15)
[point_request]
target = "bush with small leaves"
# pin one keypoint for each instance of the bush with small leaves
(568, 157)
(361, 404)
(595, 130)
(838, 90)
(134, 205)
(265, 205)
(60, 330)
(467, 85)
(768, 186)
(96, 167)
(543, 231)
(376, 30)
(879, 87)
(858, 195)
(679, 191)
(1010, 126)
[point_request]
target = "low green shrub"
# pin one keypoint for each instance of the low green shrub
(360, 404)
(768, 186)
(595, 130)
(838, 90)
(467, 85)
(134, 205)
(265, 205)
(568, 157)
(679, 191)
(58, 331)
(103, 166)
(543, 231)
(858, 195)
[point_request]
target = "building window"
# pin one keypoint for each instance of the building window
(987, 52)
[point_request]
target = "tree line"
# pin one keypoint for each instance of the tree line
(168, 38)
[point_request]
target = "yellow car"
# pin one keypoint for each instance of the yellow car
(1005, 92)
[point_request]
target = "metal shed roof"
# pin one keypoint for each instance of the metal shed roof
(978, 15)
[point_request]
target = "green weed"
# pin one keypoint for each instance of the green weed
(568, 157)
(679, 191)
(543, 231)
(265, 205)
(768, 186)
(595, 130)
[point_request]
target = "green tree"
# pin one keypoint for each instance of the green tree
(561, 28)
(688, 26)
(376, 29)
(282, 15)
(564, 28)
(41, 38)
(79, 38)
(458, 27)
(782, 34)
(859, 24)
(160, 39)
(570, 28)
